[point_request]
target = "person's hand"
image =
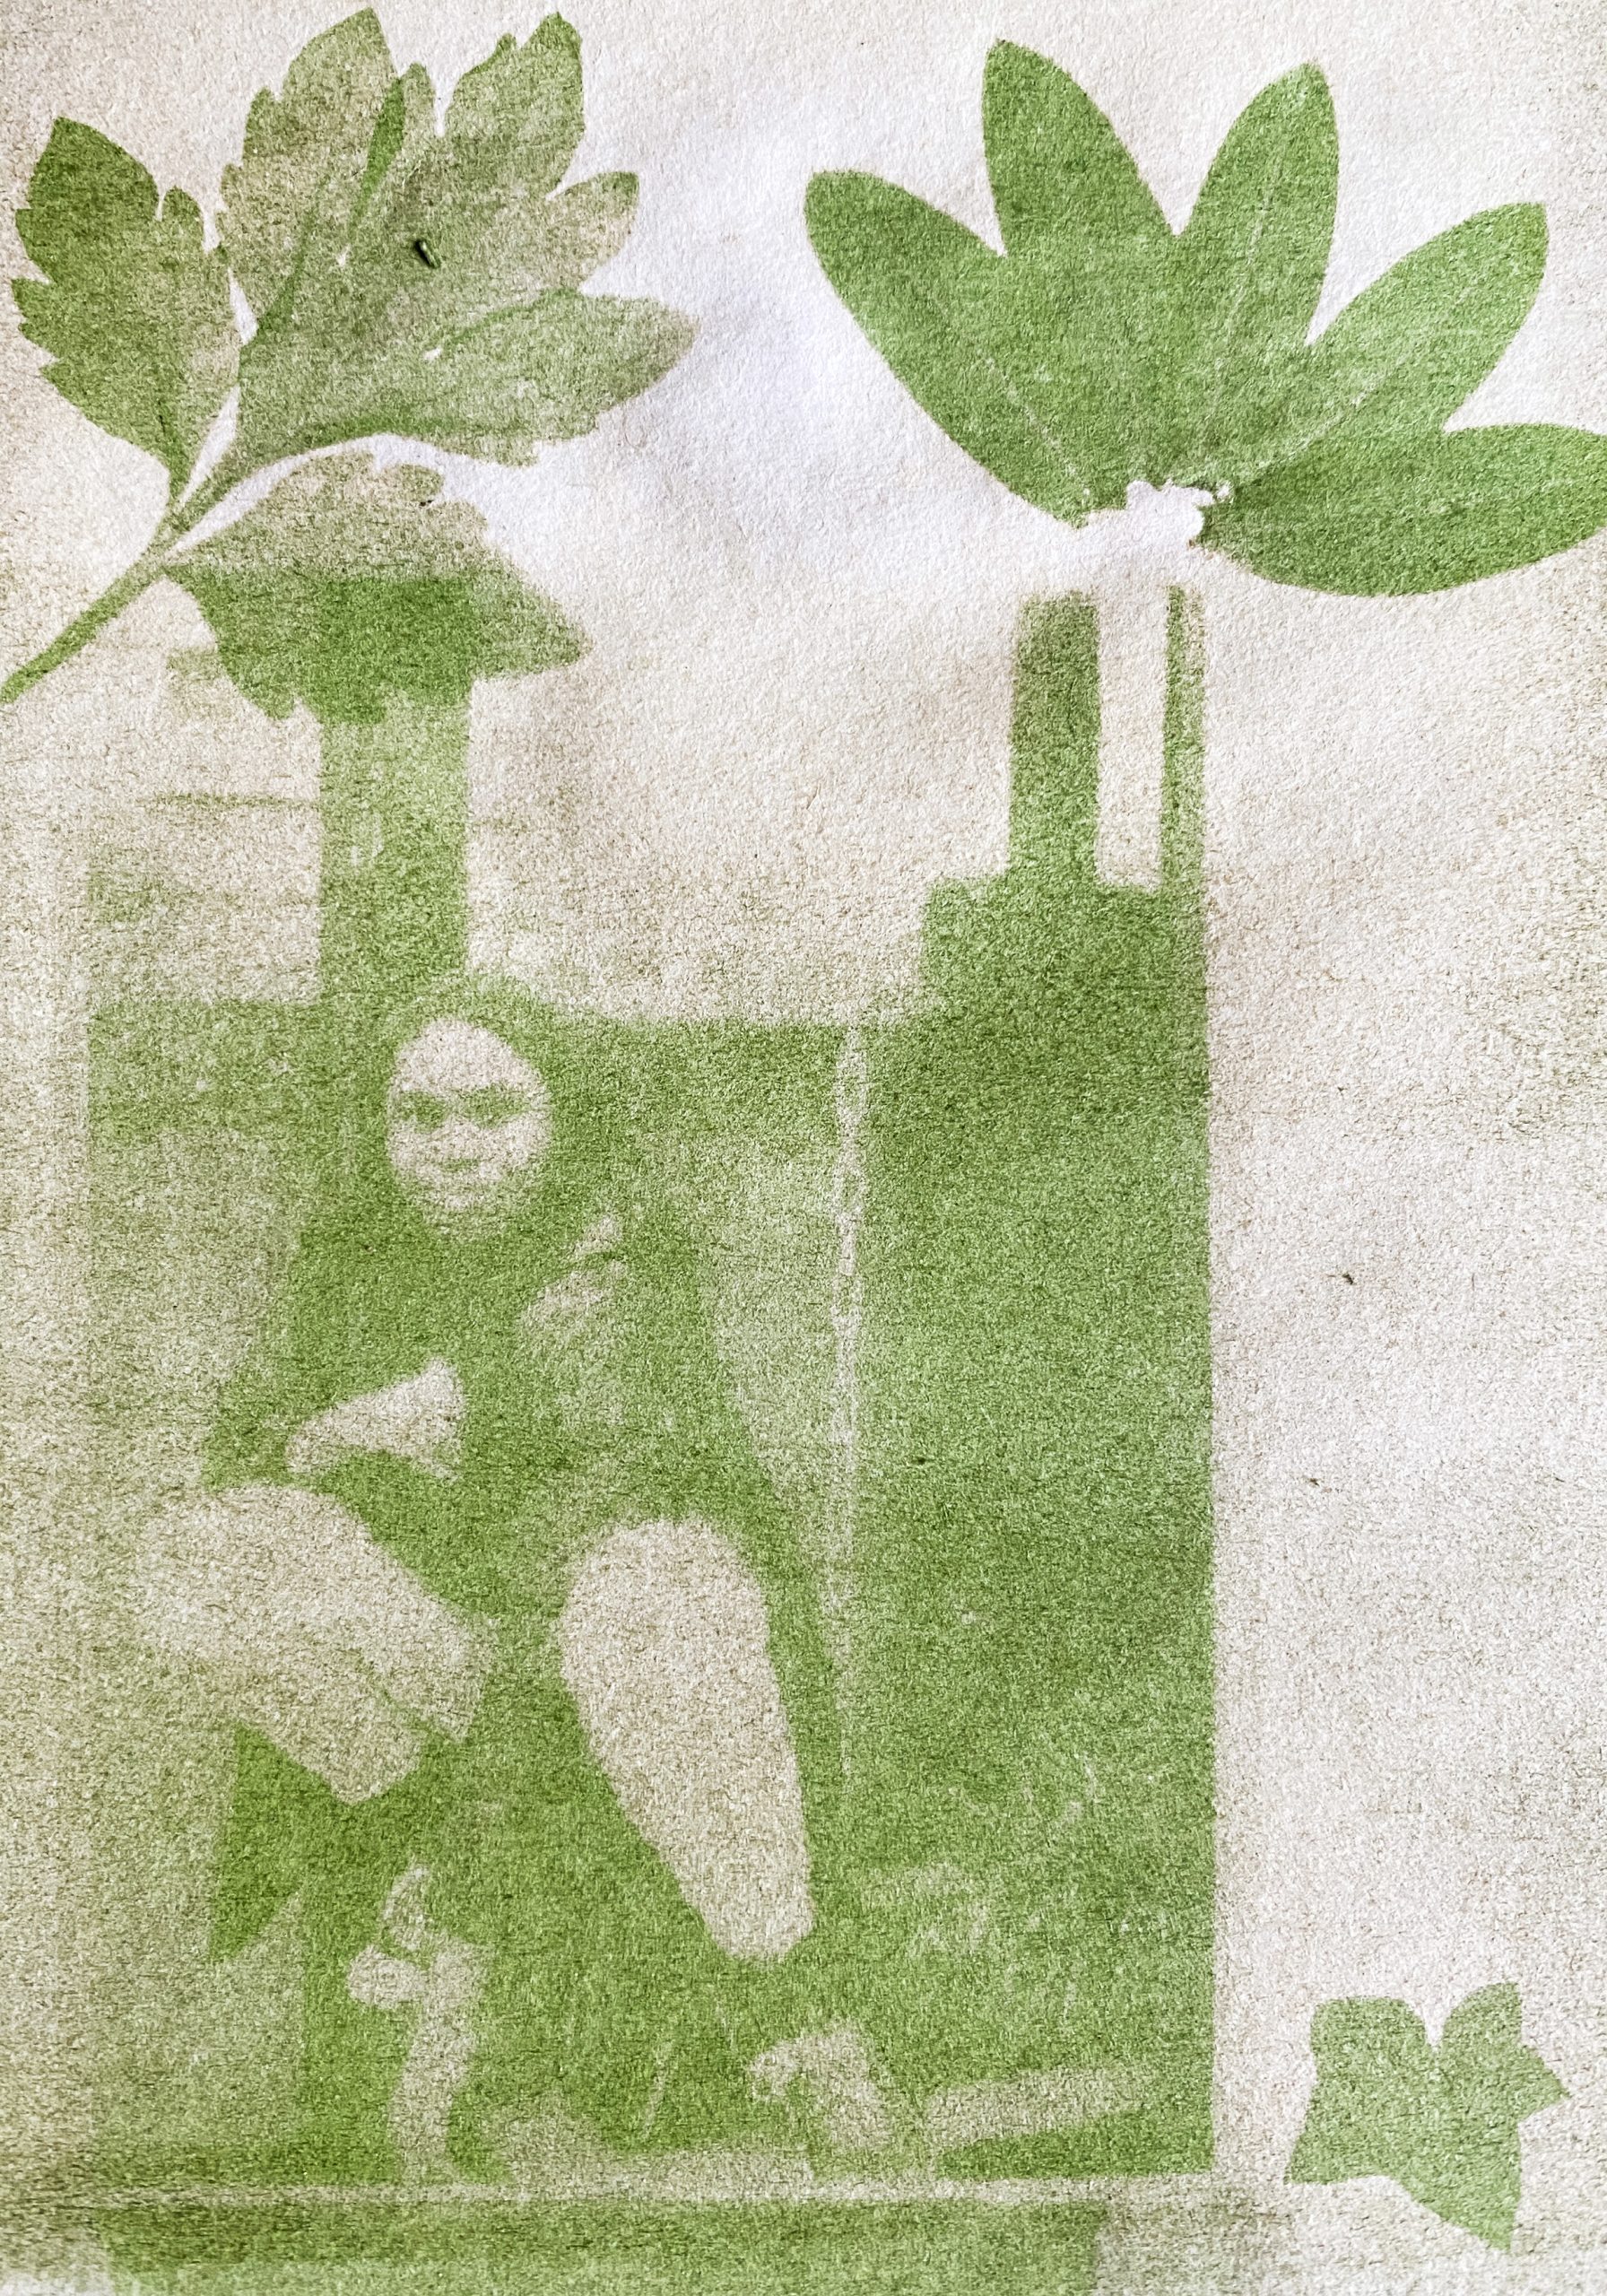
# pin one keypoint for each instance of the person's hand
(310, 1632)
(570, 1308)
(418, 1421)
(567, 1309)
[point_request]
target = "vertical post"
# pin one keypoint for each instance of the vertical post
(850, 1097)
(1151, 563)
(46, 1545)
(1134, 622)
(395, 873)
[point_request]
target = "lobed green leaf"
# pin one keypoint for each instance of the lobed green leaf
(288, 204)
(1099, 349)
(1443, 2124)
(459, 254)
(348, 584)
(134, 309)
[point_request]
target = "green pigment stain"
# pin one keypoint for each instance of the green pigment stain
(1019, 1857)
(1015, 1870)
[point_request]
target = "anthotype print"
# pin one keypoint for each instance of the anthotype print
(672, 1194)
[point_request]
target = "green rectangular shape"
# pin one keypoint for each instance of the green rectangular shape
(823, 2248)
(1033, 1775)
(1019, 1883)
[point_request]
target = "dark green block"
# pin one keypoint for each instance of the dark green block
(1032, 1772)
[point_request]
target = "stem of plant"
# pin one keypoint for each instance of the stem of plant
(148, 568)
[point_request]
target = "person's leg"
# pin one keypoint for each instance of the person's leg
(665, 1646)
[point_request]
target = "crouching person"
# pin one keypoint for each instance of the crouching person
(536, 1724)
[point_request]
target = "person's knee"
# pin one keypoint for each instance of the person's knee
(680, 1579)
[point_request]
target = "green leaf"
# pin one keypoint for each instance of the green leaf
(1065, 186)
(517, 118)
(348, 584)
(289, 204)
(134, 309)
(1098, 349)
(1394, 517)
(1402, 358)
(1249, 273)
(1488, 2071)
(534, 374)
(1073, 209)
(998, 367)
(448, 312)
(544, 370)
(1443, 2124)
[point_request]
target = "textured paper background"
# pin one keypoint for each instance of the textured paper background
(794, 719)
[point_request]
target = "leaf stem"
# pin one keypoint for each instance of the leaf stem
(146, 568)
(228, 474)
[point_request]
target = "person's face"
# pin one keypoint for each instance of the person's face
(468, 1124)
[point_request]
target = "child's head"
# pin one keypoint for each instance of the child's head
(468, 1123)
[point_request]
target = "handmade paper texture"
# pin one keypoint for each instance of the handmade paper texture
(1330, 1356)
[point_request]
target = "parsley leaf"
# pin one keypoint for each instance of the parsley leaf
(348, 584)
(437, 297)
(134, 309)
(288, 203)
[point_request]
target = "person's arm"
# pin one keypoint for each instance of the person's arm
(280, 1381)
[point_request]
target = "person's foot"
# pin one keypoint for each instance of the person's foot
(846, 2115)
